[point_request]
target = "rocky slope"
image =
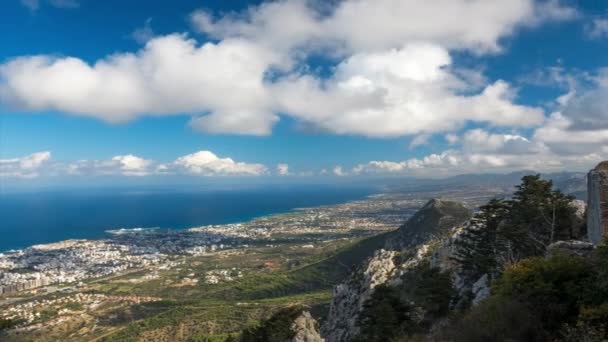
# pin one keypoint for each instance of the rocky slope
(424, 237)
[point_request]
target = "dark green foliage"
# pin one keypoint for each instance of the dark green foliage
(385, 316)
(541, 214)
(6, 324)
(430, 290)
(275, 329)
(394, 312)
(552, 289)
(564, 298)
(477, 248)
(504, 232)
(497, 319)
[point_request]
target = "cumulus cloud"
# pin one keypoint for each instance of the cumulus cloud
(25, 167)
(201, 163)
(126, 165)
(170, 75)
(483, 150)
(399, 92)
(206, 163)
(283, 169)
(394, 74)
(476, 25)
(579, 126)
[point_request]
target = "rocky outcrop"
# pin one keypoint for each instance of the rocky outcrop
(306, 329)
(572, 247)
(417, 240)
(348, 298)
(597, 204)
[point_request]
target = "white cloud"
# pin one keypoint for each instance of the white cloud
(126, 165)
(394, 74)
(477, 25)
(339, 172)
(399, 92)
(206, 163)
(170, 75)
(597, 29)
(201, 163)
(25, 167)
(580, 124)
(283, 169)
(481, 150)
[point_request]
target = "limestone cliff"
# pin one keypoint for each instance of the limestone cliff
(418, 239)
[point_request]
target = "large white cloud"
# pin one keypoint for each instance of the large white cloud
(394, 73)
(397, 92)
(372, 25)
(171, 75)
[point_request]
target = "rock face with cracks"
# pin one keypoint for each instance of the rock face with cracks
(597, 208)
(420, 238)
(306, 329)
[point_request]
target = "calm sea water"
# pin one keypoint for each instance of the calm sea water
(33, 218)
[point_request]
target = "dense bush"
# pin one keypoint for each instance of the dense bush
(563, 298)
(385, 316)
(497, 319)
(275, 329)
(552, 288)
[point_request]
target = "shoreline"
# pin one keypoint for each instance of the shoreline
(108, 235)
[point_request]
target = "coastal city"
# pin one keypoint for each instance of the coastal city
(67, 269)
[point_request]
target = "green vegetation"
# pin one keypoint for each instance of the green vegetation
(510, 230)
(8, 323)
(423, 296)
(385, 316)
(534, 298)
(212, 312)
(275, 329)
(560, 298)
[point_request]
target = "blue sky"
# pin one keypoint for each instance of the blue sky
(233, 88)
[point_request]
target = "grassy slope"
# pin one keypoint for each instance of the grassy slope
(231, 306)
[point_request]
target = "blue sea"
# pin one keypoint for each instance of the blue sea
(42, 217)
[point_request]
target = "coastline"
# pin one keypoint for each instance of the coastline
(106, 234)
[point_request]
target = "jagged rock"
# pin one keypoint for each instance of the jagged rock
(348, 298)
(481, 289)
(572, 247)
(306, 329)
(412, 242)
(597, 210)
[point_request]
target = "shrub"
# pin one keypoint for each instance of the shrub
(497, 319)
(552, 288)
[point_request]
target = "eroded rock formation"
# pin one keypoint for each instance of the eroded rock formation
(597, 208)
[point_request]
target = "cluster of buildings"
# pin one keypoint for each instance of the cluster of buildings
(222, 275)
(78, 260)
(31, 311)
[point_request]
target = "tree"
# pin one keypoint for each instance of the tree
(477, 247)
(540, 215)
(385, 316)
